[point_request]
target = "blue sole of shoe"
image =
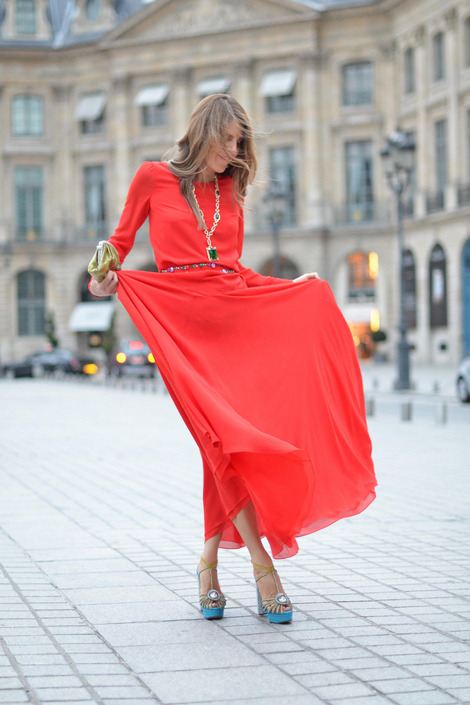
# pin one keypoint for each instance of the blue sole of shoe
(215, 613)
(279, 618)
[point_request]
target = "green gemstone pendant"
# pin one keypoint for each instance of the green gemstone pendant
(212, 254)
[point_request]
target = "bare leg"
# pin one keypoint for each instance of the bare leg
(245, 522)
(209, 553)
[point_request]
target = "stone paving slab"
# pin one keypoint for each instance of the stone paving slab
(99, 541)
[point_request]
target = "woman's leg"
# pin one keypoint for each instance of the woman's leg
(246, 524)
(209, 554)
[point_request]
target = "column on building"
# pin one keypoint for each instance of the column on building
(310, 162)
(4, 235)
(422, 155)
(63, 118)
(242, 86)
(181, 103)
(452, 69)
(120, 139)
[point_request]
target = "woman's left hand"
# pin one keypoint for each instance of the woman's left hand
(306, 277)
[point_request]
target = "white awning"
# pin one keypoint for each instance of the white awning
(279, 82)
(91, 316)
(358, 313)
(90, 106)
(152, 95)
(209, 86)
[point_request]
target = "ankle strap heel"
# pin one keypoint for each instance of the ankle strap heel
(213, 596)
(277, 609)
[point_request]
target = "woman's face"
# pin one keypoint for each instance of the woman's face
(220, 155)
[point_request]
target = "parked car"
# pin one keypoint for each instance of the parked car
(133, 358)
(463, 380)
(51, 360)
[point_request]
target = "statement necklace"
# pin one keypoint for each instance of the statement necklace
(211, 251)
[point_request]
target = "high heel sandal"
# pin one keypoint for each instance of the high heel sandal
(206, 600)
(273, 607)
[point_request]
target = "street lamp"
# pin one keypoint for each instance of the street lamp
(398, 160)
(275, 200)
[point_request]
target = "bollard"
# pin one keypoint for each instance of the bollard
(441, 413)
(406, 411)
(370, 407)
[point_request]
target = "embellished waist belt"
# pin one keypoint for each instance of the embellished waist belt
(212, 265)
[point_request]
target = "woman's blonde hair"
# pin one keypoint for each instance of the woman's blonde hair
(207, 127)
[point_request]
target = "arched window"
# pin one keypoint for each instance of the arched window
(287, 268)
(437, 288)
(31, 296)
(409, 266)
(25, 17)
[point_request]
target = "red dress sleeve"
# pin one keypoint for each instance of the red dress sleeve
(252, 278)
(135, 210)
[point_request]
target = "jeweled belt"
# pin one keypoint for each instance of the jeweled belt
(211, 265)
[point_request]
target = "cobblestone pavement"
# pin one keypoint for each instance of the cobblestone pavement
(100, 532)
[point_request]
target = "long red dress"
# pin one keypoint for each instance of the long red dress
(263, 371)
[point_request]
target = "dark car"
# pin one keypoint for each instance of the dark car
(133, 358)
(463, 380)
(51, 360)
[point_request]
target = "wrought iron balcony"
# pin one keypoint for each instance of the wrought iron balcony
(463, 195)
(435, 202)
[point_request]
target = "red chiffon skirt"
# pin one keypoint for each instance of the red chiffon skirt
(267, 381)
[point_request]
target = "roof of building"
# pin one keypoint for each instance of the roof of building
(61, 14)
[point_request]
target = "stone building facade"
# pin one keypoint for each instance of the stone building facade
(90, 89)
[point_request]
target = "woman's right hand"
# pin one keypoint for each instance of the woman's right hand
(106, 287)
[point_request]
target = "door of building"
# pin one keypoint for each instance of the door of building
(466, 296)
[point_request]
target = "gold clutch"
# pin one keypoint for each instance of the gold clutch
(105, 258)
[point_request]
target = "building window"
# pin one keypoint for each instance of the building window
(25, 17)
(209, 86)
(95, 200)
(409, 67)
(359, 181)
(466, 35)
(92, 10)
(440, 137)
(29, 202)
(358, 84)
(438, 56)
(27, 116)
(409, 293)
(90, 113)
(363, 269)
(31, 291)
(287, 268)
(153, 102)
(278, 89)
(438, 288)
(283, 171)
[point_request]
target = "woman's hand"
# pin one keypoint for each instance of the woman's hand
(107, 287)
(306, 277)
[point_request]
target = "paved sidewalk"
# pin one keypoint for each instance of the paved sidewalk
(100, 532)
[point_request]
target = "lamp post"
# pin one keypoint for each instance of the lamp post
(275, 200)
(398, 160)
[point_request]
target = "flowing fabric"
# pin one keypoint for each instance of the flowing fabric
(263, 371)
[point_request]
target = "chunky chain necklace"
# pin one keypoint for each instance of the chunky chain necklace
(211, 251)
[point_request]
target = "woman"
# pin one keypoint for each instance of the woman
(262, 370)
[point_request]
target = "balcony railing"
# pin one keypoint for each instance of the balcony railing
(435, 202)
(362, 213)
(463, 195)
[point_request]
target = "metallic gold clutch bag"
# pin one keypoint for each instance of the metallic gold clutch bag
(105, 258)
